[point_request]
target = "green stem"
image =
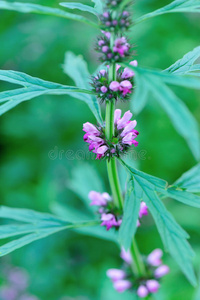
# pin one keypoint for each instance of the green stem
(138, 265)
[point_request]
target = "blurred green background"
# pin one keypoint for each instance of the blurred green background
(70, 266)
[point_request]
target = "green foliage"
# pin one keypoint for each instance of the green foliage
(39, 225)
(76, 68)
(147, 188)
(191, 6)
(79, 6)
(190, 180)
(39, 9)
(131, 211)
(98, 5)
(155, 83)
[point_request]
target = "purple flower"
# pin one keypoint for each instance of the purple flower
(109, 221)
(161, 271)
(154, 258)
(106, 14)
(105, 49)
(122, 285)
(127, 73)
(91, 129)
(101, 43)
(102, 72)
(134, 63)
(107, 34)
(116, 274)
(104, 89)
(126, 256)
(152, 285)
(143, 210)
(98, 199)
(121, 46)
(117, 115)
(114, 86)
(142, 291)
(124, 120)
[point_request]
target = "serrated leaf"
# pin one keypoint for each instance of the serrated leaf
(39, 9)
(191, 6)
(79, 6)
(39, 225)
(130, 216)
(190, 180)
(154, 82)
(186, 65)
(173, 236)
(76, 68)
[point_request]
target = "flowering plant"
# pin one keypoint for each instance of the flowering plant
(111, 138)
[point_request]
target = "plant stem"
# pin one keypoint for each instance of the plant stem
(138, 265)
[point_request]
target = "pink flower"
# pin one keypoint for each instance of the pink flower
(127, 73)
(142, 291)
(104, 89)
(101, 43)
(125, 87)
(116, 274)
(114, 86)
(105, 49)
(126, 256)
(109, 221)
(124, 120)
(90, 128)
(121, 46)
(143, 209)
(122, 285)
(98, 199)
(102, 72)
(107, 34)
(161, 271)
(152, 285)
(117, 115)
(129, 139)
(134, 63)
(129, 127)
(154, 258)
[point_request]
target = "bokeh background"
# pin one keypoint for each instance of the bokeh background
(70, 266)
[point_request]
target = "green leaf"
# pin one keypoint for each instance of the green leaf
(83, 180)
(130, 216)
(34, 87)
(38, 224)
(98, 5)
(80, 6)
(140, 95)
(76, 68)
(190, 180)
(191, 6)
(75, 215)
(186, 65)
(182, 196)
(154, 82)
(45, 10)
(173, 236)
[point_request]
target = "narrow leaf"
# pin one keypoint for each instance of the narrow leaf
(185, 64)
(45, 10)
(130, 216)
(190, 180)
(191, 6)
(76, 68)
(79, 6)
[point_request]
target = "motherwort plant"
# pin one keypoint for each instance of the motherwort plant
(119, 80)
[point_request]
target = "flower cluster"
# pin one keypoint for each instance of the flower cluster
(120, 89)
(157, 271)
(120, 21)
(110, 215)
(123, 138)
(123, 279)
(120, 49)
